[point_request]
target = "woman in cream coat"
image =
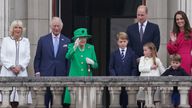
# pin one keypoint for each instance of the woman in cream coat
(15, 52)
(15, 56)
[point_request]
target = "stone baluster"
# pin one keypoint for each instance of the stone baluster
(132, 92)
(184, 102)
(92, 96)
(5, 91)
(99, 94)
(114, 97)
(72, 91)
(157, 97)
(79, 97)
(149, 98)
(40, 95)
(86, 97)
(166, 97)
(57, 96)
(22, 92)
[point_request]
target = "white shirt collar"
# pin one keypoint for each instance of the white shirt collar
(125, 49)
(53, 36)
(144, 24)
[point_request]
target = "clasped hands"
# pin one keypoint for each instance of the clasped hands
(16, 69)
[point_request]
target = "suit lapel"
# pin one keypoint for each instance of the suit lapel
(126, 54)
(61, 40)
(137, 30)
(147, 30)
(62, 43)
(118, 54)
(50, 43)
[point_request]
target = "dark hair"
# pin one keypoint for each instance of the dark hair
(187, 27)
(175, 57)
(122, 35)
(153, 49)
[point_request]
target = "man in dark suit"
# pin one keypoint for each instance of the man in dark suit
(142, 32)
(50, 55)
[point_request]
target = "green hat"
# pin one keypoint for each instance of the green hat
(80, 32)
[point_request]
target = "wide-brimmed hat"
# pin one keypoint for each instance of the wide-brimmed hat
(80, 32)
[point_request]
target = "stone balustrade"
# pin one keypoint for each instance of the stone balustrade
(87, 92)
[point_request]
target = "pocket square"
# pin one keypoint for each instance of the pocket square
(65, 45)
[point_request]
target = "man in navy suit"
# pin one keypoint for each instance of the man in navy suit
(50, 55)
(149, 32)
(123, 63)
(142, 32)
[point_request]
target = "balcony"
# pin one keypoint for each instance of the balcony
(81, 87)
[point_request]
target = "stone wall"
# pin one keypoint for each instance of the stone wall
(86, 90)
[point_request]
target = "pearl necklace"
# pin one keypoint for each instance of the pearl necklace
(81, 49)
(13, 38)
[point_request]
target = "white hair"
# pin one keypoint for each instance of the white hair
(56, 19)
(16, 23)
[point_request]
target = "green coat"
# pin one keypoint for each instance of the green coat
(78, 66)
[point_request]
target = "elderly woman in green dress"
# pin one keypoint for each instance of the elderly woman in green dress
(81, 56)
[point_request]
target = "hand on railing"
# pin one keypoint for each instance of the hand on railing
(37, 74)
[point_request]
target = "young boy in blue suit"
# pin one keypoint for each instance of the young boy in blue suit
(123, 63)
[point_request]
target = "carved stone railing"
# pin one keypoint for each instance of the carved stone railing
(87, 92)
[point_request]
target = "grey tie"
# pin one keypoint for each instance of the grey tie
(56, 45)
(141, 31)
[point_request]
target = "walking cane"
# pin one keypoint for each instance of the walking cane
(89, 71)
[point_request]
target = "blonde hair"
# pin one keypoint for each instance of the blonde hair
(56, 19)
(153, 49)
(122, 35)
(16, 23)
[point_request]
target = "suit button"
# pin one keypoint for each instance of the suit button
(81, 62)
(81, 69)
(81, 55)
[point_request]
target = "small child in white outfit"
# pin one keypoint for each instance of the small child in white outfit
(150, 65)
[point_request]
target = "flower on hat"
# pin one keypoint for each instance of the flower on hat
(80, 32)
